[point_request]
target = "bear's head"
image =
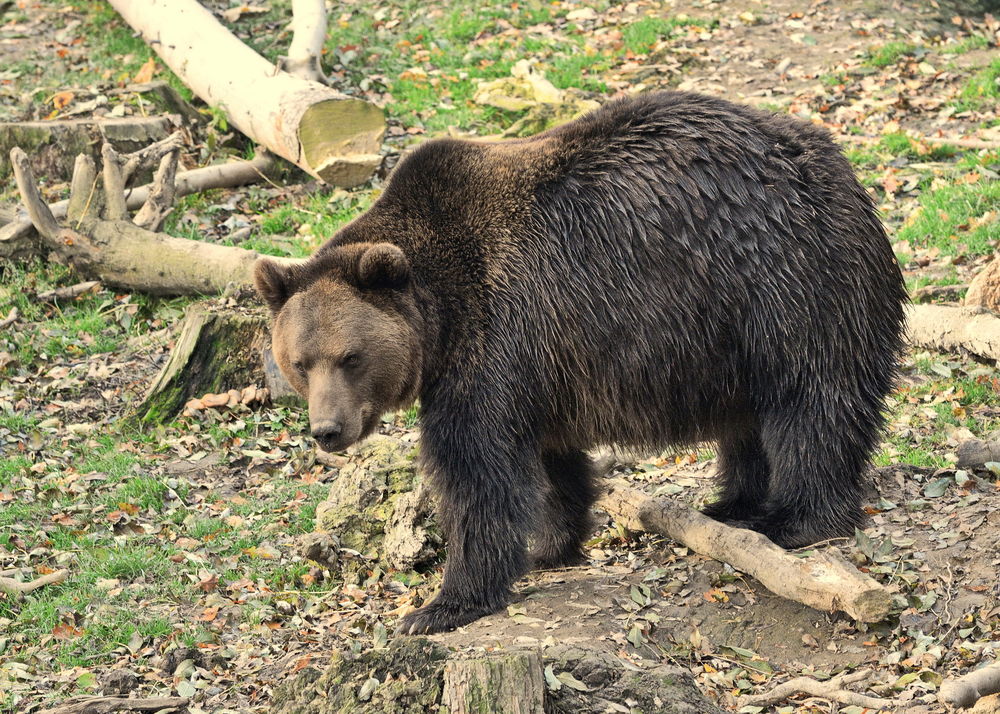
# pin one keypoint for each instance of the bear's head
(344, 336)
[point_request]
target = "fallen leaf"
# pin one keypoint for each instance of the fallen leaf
(145, 73)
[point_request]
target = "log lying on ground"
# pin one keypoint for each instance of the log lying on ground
(823, 580)
(327, 134)
(51, 145)
(18, 239)
(104, 705)
(965, 691)
(971, 330)
(119, 253)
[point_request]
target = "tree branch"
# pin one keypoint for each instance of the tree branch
(831, 689)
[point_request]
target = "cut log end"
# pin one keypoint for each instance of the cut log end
(340, 140)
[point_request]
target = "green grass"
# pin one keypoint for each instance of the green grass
(982, 90)
(889, 54)
(641, 36)
(945, 219)
(973, 42)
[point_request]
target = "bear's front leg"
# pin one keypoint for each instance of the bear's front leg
(486, 493)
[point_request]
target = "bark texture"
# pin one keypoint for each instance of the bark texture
(970, 330)
(218, 349)
(331, 136)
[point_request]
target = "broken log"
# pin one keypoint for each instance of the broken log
(971, 330)
(119, 253)
(52, 145)
(331, 136)
(822, 580)
(19, 241)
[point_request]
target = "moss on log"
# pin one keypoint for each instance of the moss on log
(218, 349)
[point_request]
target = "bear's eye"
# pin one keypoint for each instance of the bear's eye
(299, 367)
(350, 360)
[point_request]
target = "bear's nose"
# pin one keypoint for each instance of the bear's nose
(327, 434)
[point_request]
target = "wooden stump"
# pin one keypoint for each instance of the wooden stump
(218, 349)
(510, 682)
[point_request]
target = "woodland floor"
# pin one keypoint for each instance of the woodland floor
(182, 540)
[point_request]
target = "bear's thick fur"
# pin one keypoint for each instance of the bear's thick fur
(669, 269)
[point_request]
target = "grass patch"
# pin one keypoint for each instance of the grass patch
(641, 36)
(982, 90)
(889, 54)
(947, 219)
(967, 44)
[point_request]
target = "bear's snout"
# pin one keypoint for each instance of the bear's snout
(327, 435)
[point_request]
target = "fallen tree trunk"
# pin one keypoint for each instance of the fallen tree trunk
(823, 580)
(18, 239)
(119, 253)
(331, 136)
(955, 329)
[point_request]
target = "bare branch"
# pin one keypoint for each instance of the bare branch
(823, 580)
(39, 211)
(161, 196)
(104, 705)
(20, 589)
(115, 208)
(965, 691)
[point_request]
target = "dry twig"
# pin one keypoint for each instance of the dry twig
(18, 588)
(103, 705)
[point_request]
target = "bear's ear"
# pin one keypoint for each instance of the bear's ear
(383, 266)
(274, 283)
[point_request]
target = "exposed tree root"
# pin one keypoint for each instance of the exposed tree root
(103, 705)
(832, 689)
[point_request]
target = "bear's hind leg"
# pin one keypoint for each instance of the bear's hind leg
(743, 476)
(818, 455)
(565, 520)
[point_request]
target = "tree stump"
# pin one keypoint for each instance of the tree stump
(218, 348)
(506, 682)
(415, 674)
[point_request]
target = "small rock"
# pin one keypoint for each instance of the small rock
(119, 682)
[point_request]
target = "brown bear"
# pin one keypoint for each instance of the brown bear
(669, 269)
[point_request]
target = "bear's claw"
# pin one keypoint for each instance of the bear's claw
(440, 617)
